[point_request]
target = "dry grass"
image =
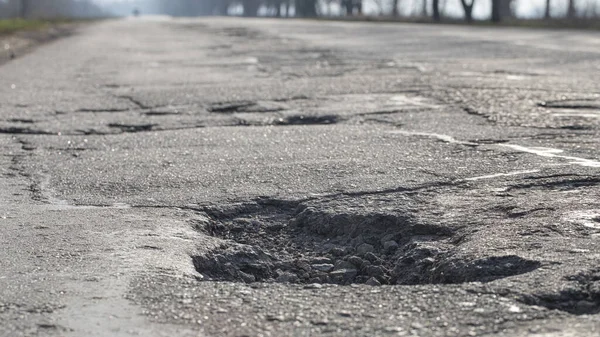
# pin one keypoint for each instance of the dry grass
(8, 26)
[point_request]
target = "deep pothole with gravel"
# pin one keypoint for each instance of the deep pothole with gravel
(294, 242)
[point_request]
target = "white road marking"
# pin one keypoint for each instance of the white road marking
(497, 175)
(547, 152)
(414, 101)
(587, 218)
(582, 115)
(553, 153)
(443, 138)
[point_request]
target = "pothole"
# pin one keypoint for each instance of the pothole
(288, 242)
(581, 296)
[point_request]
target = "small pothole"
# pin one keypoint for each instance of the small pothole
(581, 296)
(276, 241)
(308, 120)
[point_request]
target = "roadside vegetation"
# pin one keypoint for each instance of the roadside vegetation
(33, 15)
(8, 26)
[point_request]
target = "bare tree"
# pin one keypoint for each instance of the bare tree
(350, 6)
(395, 8)
(251, 7)
(547, 11)
(276, 6)
(24, 8)
(306, 8)
(347, 6)
(571, 11)
(506, 9)
(468, 7)
(496, 11)
(435, 6)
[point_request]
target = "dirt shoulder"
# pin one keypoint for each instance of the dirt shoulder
(21, 40)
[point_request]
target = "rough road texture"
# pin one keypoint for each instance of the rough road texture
(228, 177)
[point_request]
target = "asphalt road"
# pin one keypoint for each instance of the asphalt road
(229, 177)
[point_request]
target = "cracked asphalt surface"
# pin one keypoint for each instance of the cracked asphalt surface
(229, 177)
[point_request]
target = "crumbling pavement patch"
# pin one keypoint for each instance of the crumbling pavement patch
(300, 242)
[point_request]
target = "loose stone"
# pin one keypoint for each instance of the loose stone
(365, 248)
(341, 264)
(356, 261)
(390, 246)
(326, 267)
(373, 282)
(343, 275)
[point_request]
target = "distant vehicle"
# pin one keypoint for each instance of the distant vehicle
(136, 12)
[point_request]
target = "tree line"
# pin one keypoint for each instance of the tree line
(49, 8)
(500, 9)
(433, 9)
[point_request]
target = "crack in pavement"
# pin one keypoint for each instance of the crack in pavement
(563, 183)
(132, 128)
(22, 120)
(102, 110)
(137, 102)
(24, 130)
(497, 175)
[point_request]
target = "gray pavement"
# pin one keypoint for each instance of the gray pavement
(229, 177)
